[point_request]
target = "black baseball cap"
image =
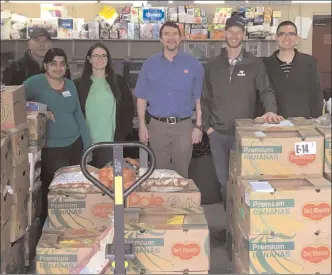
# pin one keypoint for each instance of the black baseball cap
(38, 32)
(235, 21)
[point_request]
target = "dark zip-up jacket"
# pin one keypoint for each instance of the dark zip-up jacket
(299, 93)
(125, 110)
(228, 96)
(20, 70)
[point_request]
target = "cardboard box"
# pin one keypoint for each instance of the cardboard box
(190, 197)
(6, 202)
(283, 206)
(35, 204)
(37, 132)
(19, 218)
(238, 266)
(259, 125)
(19, 142)
(166, 240)
(136, 270)
(5, 246)
(77, 210)
(13, 104)
(20, 179)
(35, 168)
(304, 253)
(16, 262)
(326, 132)
(35, 108)
(275, 153)
(31, 241)
(6, 158)
(328, 177)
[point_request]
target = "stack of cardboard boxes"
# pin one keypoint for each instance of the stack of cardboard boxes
(36, 116)
(169, 230)
(20, 196)
(279, 203)
(14, 179)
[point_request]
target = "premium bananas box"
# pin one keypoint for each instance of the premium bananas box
(259, 125)
(326, 132)
(166, 240)
(190, 197)
(284, 206)
(308, 252)
(79, 210)
(274, 153)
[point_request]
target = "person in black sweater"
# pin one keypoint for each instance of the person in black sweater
(294, 76)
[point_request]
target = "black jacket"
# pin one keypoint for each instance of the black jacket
(299, 94)
(228, 97)
(19, 71)
(124, 109)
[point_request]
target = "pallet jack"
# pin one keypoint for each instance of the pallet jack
(119, 253)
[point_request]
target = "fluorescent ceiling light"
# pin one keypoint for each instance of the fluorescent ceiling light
(209, 2)
(310, 2)
(170, 2)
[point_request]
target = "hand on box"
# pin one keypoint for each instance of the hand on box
(272, 117)
(50, 116)
(196, 136)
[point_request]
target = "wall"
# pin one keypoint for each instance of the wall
(89, 11)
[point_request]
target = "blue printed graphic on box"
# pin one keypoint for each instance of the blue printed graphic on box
(154, 14)
(36, 107)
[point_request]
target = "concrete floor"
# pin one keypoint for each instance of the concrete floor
(216, 218)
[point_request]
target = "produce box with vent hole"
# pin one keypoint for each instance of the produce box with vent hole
(307, 252)
(326, 132)
(6, 159)
(284, 206)
(16, 262)
(13, 110)
(19, 143)
(279, 153)
(5, 245)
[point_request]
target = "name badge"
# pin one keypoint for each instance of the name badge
(66, 93)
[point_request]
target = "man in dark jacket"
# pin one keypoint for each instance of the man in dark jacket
(231, 82)
(294, 76)
(32, 62)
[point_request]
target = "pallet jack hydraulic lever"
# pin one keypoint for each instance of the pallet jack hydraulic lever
(119, 253)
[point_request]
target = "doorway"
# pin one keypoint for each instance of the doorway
(321, 47)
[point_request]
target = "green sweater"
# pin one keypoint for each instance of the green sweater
(69, 122)
(100, 111)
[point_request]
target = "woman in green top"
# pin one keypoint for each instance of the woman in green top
(67, 134)
(106, 102)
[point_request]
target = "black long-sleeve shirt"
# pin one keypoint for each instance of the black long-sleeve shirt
(298, 93)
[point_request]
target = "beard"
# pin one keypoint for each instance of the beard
(233, 46)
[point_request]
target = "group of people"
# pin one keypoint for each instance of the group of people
(99, 107)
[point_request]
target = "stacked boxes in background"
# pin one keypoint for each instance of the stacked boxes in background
(326, 132)
(14, 122)
(169, 230)
(279, 204)
(37, 120)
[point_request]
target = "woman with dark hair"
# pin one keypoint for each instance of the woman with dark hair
(106, 102)
(67, 133)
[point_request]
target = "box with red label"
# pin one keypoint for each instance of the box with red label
(13, 104)
(283, 205)
(274, 152)
(307, 252)
(190, 197)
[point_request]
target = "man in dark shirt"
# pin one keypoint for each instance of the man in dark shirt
(32, 62)
(294, 76)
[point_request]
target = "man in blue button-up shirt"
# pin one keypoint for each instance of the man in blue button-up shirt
(170, 83)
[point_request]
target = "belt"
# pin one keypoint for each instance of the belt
(171, 119)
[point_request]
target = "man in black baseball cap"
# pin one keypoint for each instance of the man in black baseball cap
(32, 61)
(229, 92)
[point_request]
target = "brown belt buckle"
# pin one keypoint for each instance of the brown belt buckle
(171, 120)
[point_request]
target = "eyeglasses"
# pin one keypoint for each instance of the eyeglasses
(284, 34)
(99, 56)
